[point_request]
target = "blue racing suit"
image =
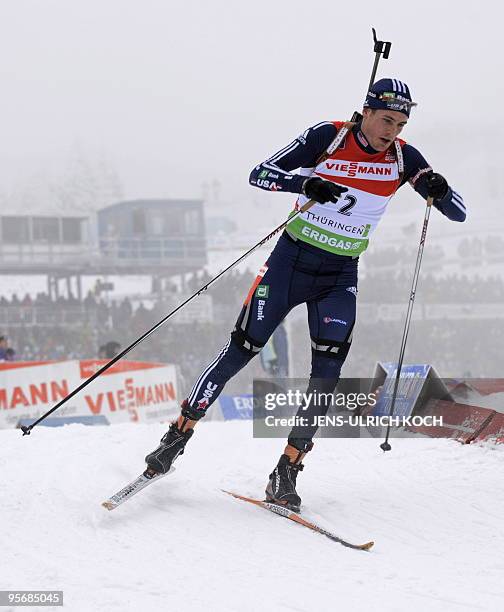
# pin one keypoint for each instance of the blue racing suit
(297, 272)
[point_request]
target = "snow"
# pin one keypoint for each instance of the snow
(433, 507)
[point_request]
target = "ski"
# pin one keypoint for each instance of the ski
(293, 516)
(134, 487)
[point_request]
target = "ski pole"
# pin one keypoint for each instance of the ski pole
(27, 429)
(385, 446)
(380, 48)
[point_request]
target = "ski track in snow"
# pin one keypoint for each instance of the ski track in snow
(433, 507)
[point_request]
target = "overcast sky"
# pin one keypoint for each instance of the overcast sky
(174, 94)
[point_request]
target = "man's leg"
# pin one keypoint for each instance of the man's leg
(331, 320)
(267, 303)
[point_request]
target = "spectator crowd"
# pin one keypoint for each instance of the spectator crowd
(102, 326)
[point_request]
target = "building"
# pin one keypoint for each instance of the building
(160, 238)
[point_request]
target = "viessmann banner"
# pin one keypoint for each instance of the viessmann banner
(128, 391)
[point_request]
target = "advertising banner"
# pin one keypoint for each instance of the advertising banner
(129, 391)
(236, 406)
(417, 381)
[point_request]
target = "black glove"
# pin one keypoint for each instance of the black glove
(437, 187)
(322, 191)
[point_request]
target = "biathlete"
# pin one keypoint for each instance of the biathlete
(315, 260)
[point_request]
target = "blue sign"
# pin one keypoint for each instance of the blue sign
(237, 406)
(411, 383)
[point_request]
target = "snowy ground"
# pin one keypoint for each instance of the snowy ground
(433, 507)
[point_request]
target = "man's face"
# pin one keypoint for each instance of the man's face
(381, 127)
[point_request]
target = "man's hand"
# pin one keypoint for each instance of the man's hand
(322, 191)
(437, 186)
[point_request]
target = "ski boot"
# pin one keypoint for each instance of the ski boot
(173, 442)
(281, 488)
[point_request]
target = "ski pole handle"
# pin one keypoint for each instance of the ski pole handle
(307, 206)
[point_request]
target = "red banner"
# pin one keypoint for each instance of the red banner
(131, 391)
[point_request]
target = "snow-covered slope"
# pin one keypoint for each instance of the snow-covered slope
(433, 507)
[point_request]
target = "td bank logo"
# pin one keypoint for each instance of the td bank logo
(262, 291)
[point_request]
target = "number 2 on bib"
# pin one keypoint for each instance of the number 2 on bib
(346, 208)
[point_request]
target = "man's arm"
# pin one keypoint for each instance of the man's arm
(420, 176)
(275, 174)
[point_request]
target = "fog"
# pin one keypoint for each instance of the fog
(171, 95)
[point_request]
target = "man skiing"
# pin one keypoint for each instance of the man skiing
(315, 260)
